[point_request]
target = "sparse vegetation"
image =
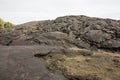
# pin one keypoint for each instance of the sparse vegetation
(100, 66)
(4, 24)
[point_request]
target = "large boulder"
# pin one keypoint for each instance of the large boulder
(97, 37)
(112, 44)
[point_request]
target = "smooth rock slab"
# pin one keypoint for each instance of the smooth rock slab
(19, 63)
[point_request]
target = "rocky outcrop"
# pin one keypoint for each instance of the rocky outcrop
(81, 31)
(53, 50)
(19, 63)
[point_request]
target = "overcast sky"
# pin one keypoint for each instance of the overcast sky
(21, 11)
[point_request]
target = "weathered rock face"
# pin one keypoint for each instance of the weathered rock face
(19, 63)
(28, 51)
(81, 31)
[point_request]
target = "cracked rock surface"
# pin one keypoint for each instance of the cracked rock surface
(67, 48)
(82, 31)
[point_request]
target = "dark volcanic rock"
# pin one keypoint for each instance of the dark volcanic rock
(80, 31)
(24, 47)
(112, 44)
(26, 63)
(97, 37)
(19, 63)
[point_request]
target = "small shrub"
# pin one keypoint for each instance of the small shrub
(4, 24)
(1, 23)
(8, 24)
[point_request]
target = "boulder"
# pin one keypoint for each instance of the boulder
(112, 44)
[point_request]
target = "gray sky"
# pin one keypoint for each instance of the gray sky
(21, 11)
